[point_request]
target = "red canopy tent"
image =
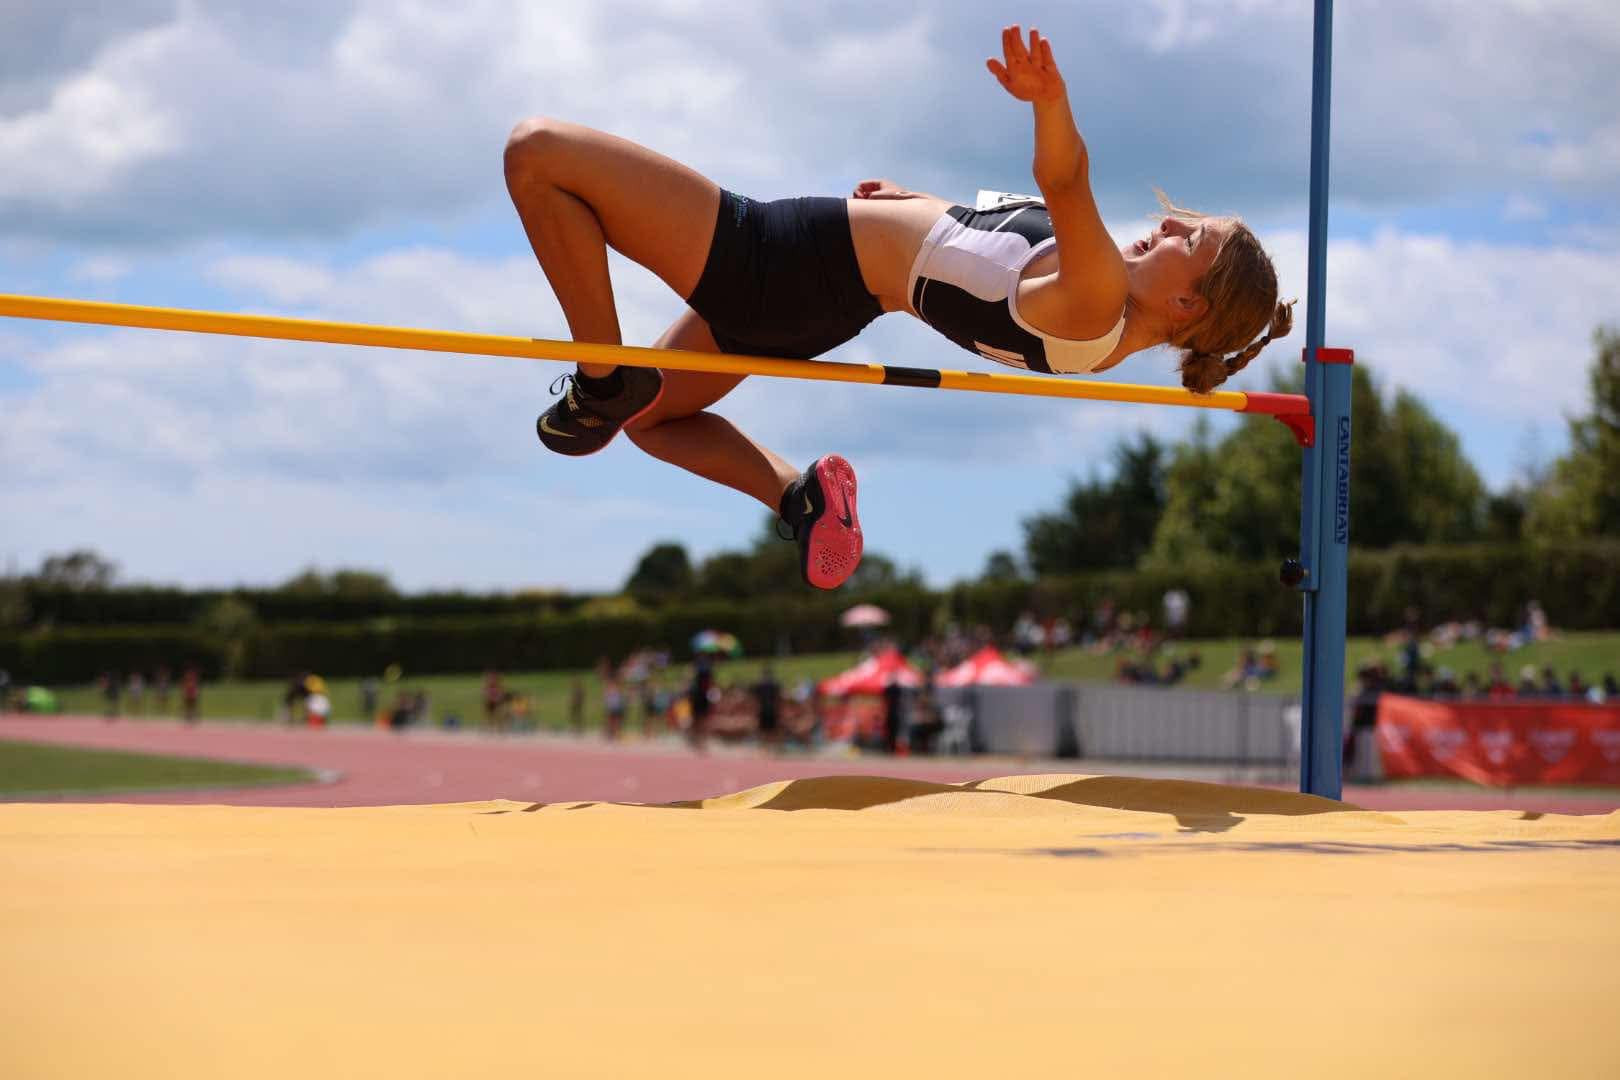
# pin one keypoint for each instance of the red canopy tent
(987, 667)
(871, 675)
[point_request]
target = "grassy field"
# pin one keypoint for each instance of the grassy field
(459, 695)
(30, 768)
(1592, 654)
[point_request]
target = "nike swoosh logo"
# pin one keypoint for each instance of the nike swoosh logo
(808, 509)
(845, 517)
(545, 426)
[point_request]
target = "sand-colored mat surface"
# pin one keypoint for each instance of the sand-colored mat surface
(834, 927)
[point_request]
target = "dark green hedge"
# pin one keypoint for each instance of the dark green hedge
(425, 646)
(79, 654)
(1578, 584)
(147, 605)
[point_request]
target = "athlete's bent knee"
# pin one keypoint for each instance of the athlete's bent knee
(530, 147)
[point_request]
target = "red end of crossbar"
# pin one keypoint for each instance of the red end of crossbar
(1331, 356)
(1277, 404)
(1293, 410)
(1303, 427)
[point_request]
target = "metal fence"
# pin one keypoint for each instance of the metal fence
(1125, 723)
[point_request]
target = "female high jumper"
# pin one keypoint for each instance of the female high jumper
(799, 277)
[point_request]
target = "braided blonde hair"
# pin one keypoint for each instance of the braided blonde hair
(1241, 287)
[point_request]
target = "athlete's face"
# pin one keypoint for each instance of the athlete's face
(1166, 265)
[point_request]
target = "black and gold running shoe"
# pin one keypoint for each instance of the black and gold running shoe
(820, 508)
(592, 411)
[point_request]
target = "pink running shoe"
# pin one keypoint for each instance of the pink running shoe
(820, 506)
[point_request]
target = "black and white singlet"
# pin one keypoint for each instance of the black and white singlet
(964, 283)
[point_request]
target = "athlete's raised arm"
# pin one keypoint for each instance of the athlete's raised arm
(1091, 272)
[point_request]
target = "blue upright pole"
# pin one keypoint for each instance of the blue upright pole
(1325, 508)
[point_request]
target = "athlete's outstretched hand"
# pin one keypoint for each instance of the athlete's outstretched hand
(1028, 73)
(882, 189)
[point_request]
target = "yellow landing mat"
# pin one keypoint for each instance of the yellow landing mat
(836, 927)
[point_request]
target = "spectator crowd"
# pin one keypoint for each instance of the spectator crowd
(136, 694)
(644, 694)
(1414, 673)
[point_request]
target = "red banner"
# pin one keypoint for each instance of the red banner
(1502, 744)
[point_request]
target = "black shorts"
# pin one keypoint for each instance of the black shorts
(782, 279)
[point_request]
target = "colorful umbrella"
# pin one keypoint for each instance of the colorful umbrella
(716, 641)
(862, 615)
(987, 667)
(871, 675)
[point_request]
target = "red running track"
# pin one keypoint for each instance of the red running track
(367, 767)
(382, 768)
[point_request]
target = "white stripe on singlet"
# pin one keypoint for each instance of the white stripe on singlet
(988, 264)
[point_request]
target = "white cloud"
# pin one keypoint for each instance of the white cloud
(141, 407)
(1176, 25)
(1521, 208)
(1591, 157)
(222, 532)
(102, 268)
(192, 127)
(1493, 338)
(281, 280)
(1501, 331)
(43, 42)
(97, 128)
(204, 125)
(1430, 105)
(222, 120)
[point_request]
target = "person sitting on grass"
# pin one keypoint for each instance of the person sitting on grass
(1245, 673)
(1550, 686)
(1527, 682)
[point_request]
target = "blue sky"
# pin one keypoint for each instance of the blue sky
(342, 160)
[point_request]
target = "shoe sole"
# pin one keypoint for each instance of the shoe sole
(834, 550)
(649, 407)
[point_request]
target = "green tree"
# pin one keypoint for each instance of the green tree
(1102, 523)
(1505, 514)
(727, 575)
(1002, 566)
(362, 583)
(13, 603)
(1582, 494)
(663, 572)
(878, 571)
(341, 582)
(1416, 485)
(231, 621)
(309, 581)
(1193, 482)
(77, 570)
(1240, 497)
(770, 567)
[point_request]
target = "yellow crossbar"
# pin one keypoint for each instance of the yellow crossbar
(336, 333)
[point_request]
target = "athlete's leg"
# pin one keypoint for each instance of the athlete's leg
(818, 504)
(578, 191)
(679, 431)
